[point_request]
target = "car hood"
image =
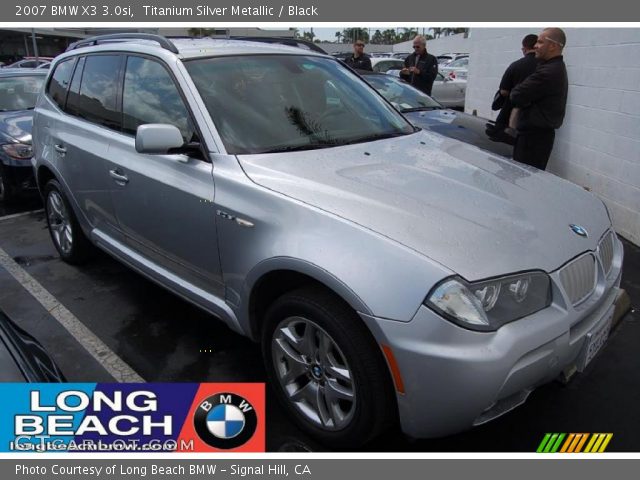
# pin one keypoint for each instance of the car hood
(461, 126)
(16, 125)
(477, 214)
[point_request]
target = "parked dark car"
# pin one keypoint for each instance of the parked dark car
(425, 112)
(22, 358)
(19, 91)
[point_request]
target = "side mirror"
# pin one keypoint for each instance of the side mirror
(158, 138)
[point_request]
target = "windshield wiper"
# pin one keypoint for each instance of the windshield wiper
(375, 136)
(298, 148)
(420, 109)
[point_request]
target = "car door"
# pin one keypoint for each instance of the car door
(164, 203)
(79, 131)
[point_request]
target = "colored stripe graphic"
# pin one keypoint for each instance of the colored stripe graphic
(574, 443)
(606, 442)
(590, 444)
(543, 443)
(568, 442)
(558, 442)
(581, 443)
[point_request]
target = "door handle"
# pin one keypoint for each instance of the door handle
(120, 178)
(60, 149)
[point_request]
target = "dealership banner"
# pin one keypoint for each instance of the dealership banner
(132, 418)
(311, 11)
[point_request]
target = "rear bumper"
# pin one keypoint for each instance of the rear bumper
(456, 378)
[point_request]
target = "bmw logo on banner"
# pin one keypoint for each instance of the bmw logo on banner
(225, 420)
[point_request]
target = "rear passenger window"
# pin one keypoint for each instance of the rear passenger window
(151, 96)
(73, 100)
(60, 81)
(97, 101)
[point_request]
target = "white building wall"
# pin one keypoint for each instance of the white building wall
(598, 146)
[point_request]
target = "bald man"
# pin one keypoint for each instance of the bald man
(541, 99)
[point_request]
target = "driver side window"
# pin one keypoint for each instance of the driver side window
(151, 96)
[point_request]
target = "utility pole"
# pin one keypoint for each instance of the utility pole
(35, 45)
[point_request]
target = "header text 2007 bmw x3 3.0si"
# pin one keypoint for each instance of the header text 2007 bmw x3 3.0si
(390, 274)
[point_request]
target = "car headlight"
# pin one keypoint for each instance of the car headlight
(489, 304)
(18, 151)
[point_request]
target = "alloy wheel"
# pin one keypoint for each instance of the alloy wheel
(59, 222)
(314, 373)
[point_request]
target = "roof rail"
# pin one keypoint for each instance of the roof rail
(162, 41)
(288, 41)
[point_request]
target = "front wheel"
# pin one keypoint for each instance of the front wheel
(326, 368)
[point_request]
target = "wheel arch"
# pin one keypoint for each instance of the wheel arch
(273, 278)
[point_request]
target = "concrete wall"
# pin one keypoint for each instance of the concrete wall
(437, 46)
(598, 146)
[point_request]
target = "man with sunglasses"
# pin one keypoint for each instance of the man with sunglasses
(541, 99)
(359, 60)
(420, 68)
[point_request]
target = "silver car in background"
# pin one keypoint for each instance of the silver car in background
(449, 92)
(390, 274)
(457, 69)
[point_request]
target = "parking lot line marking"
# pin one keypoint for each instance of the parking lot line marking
(22, 214)
(113, 364)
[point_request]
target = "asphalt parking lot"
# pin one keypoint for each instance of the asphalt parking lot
(164, 339)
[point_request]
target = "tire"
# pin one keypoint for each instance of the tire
(66, 233)
(350, 409)
(7, 194)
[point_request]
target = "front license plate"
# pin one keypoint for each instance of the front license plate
(595, 341)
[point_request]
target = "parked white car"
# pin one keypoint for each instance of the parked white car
(458, 69)
(448, 91)
(446, 58)
(384, 64)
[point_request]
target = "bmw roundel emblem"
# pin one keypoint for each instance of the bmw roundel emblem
(225, 420)
(578, 230)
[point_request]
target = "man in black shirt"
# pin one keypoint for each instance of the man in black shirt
(542, 100)
(514, 75)
(359, 60)
(420, 68)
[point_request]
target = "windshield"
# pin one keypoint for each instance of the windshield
(19, 93)
(461, 62)
(270, 103)
(401, 95)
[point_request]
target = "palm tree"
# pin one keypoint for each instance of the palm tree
(389, 36)
(309, 35)
(352, 34)
(339, 36)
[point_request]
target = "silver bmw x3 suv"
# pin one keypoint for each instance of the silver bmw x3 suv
(390, 274)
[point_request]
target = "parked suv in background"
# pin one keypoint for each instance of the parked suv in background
(389, 273)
